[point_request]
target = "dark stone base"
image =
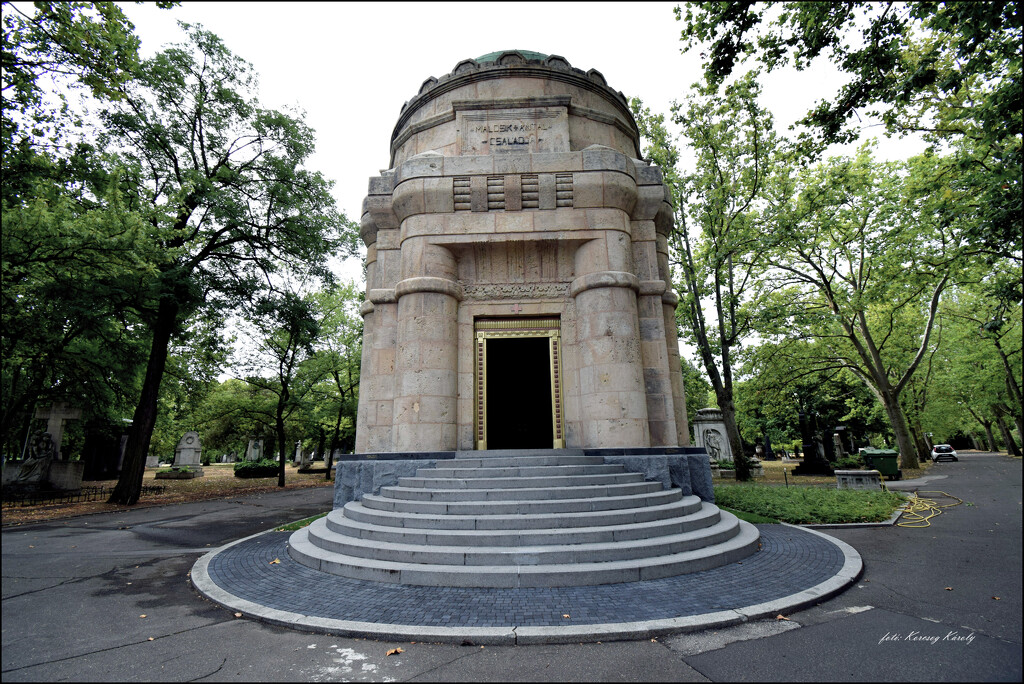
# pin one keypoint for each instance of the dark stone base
(685, 467)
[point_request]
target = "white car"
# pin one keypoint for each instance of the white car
(943, 451)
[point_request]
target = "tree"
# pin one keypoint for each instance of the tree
(717, 223)
(338, 358)
(288, 328)
(951, 70)
(75, 258)
(229, 202)
(862, 253)
(73, 276)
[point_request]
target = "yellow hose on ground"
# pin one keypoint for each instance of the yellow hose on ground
(920, 511)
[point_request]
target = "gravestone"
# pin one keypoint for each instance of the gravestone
(837, 445)
(189, 453)
(152, 461)
(305, 459)
(254, 451)
(55, 417)
(709, 432)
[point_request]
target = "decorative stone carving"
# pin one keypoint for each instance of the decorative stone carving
(516, 291)
(709, 432)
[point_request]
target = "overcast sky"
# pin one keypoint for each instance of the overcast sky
(351, 66)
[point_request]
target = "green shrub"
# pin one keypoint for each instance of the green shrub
(176, 469)
(850, 463)
(811, 505)
(262, 468)
(727, 465)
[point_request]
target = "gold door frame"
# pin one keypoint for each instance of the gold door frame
(488, 328)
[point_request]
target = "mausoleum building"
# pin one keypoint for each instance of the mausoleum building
(518, 291)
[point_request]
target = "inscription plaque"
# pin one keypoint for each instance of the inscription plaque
(505, 131)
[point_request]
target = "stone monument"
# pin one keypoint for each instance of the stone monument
(519, 348)
(709, 432)
(518, 289)
(189, 453)
(254, 451)
(55, 417)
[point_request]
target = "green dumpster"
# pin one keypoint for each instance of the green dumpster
(885, 461)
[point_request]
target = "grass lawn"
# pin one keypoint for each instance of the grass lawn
(218, 482)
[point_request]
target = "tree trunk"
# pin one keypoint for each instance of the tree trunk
(129, 483)
(989, 437)
(904, 442)
(735, 443)
(279, 425)
(1011, 444)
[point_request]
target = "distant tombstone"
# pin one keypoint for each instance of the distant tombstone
(769, 453)
(709, 432)
(189, 453)
(837, 443)
(305, 460)
(153, 461)
(55, 417)
(255, 450)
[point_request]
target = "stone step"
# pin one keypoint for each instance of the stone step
(355, 510)
(516, 507)
(701, 515)
(519, 471)
(505, 461)
(506, 453)
(525, 493)
(519, 482)
(548, 575)
(325, 538)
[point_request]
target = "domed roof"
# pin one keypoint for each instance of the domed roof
(492, 56)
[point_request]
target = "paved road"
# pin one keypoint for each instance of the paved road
(74, 593)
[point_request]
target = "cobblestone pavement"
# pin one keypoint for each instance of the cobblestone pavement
(790, 560)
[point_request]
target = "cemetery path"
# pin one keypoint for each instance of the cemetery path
(107, 598)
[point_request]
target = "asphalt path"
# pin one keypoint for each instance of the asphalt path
(107, 597)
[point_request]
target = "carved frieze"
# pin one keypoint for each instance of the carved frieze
(516, 291)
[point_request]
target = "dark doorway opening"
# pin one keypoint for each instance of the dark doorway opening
(519, 393)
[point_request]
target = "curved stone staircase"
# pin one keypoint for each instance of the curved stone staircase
(549, 518)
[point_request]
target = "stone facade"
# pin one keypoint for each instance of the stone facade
(517, 270)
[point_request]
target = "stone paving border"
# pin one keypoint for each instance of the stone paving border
(797, 567)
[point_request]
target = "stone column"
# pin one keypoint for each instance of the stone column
(376, 385)
(426, 367)
(613, 405)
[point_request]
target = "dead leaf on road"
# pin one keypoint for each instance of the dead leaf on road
(275, 561)
(949, 588)
(782, 617)
(395, 651)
